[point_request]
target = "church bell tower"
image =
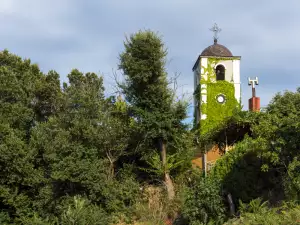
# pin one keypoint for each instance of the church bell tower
(217, 85)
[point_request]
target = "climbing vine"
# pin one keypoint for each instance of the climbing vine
(215, 112)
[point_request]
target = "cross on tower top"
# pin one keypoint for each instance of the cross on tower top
(216, 30)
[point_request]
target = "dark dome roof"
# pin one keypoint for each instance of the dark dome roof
(216, 50)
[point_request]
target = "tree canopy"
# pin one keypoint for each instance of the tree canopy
(159, 117)
(69, 154)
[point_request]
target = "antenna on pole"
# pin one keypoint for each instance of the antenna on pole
(253, 82)
(216, 30)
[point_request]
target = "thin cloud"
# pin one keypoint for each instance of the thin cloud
(89, 35)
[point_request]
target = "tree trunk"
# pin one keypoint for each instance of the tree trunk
(167, 179)
(111, 166)
(112, 170)
(231, 204)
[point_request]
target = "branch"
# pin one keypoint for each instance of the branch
(117, 84)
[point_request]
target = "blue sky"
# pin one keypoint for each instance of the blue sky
(89, 35)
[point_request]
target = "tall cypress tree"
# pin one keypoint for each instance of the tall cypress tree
(151, 100)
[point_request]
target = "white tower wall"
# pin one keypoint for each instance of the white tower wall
(232, 75)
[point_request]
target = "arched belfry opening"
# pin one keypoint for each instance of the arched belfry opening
(220, 72)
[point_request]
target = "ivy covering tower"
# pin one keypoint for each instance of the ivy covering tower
(217, 85)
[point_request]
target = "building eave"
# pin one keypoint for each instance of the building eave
(216, 57)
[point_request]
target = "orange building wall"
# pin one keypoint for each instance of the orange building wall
(212, 156)
(197, 162)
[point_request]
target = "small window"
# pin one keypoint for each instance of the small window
(220, 72)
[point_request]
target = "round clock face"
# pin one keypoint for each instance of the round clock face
(221, 98)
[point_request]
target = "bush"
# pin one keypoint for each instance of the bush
(240, 172)
(35, 219)
(155, 208)
(81, 212)
(203, 201)
(292, 180)
(4, 218)
(257, 212)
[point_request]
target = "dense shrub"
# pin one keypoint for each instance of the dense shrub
(292, 180)
(203, 201)
(257, 212)
(81, 212)
(240, 174)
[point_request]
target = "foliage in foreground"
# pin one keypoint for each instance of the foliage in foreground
(262, 166)
(58, 142)
(257, 212)
(269, 158)
(202, 200)
(71, 156)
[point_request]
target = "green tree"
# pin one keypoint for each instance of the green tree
(20, 111)
(158, 117)
(280, 127)
(79, 148)
(265, 165)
